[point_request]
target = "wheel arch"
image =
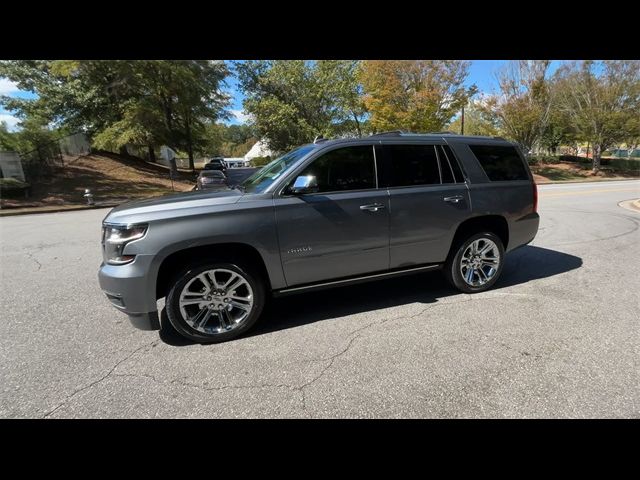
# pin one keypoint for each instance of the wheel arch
(496, 224)
(228, 252)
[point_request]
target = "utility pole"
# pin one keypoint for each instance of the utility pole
(462, 122)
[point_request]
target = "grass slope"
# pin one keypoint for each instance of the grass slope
(110, 178)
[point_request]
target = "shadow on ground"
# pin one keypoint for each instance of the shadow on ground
(523, 265)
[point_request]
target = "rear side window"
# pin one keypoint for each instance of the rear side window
(412, 165)
(500, 163)
(349, 168)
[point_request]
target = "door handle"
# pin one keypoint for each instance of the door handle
(374, 207)
(454, 199)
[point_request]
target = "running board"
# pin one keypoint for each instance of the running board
(356, 280)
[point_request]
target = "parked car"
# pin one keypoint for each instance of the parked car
(216, 164)
(211, 179)
(326, 214)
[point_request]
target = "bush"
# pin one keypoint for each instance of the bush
(627, 165)
(543, 159)
(260, 161)
(572, 158)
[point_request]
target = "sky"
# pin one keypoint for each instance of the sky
(481, 72)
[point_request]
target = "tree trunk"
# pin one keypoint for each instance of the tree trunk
(597, 151)
(355, 117)
(190, 146)
(152, 154)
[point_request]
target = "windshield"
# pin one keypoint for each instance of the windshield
(263, 178)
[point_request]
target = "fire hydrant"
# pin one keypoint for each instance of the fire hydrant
(89, 196)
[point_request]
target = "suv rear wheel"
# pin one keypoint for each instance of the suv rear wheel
(215, 302)
(476, 263)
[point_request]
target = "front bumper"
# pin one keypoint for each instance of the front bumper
(129, 289)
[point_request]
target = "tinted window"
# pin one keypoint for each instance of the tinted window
(413, 165)
(500, 162)
(453, 162)
(349, 168)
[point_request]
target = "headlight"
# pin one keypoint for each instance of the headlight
(116, 237)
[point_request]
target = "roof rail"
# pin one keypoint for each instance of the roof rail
(445, 132)
(392, 133)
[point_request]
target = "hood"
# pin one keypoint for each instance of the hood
(171, 205)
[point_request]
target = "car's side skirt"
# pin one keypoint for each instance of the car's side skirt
(356, 280)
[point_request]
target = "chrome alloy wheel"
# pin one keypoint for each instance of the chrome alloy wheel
(479, 262)
(216, 301)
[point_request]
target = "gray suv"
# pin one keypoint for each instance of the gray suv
(326, 214)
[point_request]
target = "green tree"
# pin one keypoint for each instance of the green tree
(150, 102)
(417, 95)
(558, 131)
(339, 80)
(286, 101)
(524, 103)
(477, 121)
(8, 140)
(228, 140)
(603, 101)
(238, 134)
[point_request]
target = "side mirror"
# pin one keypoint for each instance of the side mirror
(304, 184)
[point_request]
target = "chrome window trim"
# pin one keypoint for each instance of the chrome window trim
(375, 165)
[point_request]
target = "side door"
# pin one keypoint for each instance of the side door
(428, 199)
(342, 228)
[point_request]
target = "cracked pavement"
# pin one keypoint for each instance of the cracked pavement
(557, 337)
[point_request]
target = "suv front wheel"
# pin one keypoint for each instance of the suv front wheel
(215, 302)
(475, 265)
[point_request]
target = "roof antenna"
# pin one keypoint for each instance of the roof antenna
(318, 138)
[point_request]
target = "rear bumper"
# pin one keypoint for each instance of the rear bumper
(129, 290)
(523, 230)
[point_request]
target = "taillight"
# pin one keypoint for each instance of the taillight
(535, 198)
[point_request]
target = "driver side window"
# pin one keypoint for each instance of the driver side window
(348, 168)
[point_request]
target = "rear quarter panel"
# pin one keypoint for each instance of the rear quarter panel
(511, 199)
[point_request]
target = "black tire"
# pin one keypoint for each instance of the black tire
(180, 324)
(452, 266)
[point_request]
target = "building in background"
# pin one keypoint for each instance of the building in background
(259, 149)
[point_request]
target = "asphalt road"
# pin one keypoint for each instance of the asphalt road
(559, 336)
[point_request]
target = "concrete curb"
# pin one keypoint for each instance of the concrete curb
(621, 179)
(633, 205)
(35, 210)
